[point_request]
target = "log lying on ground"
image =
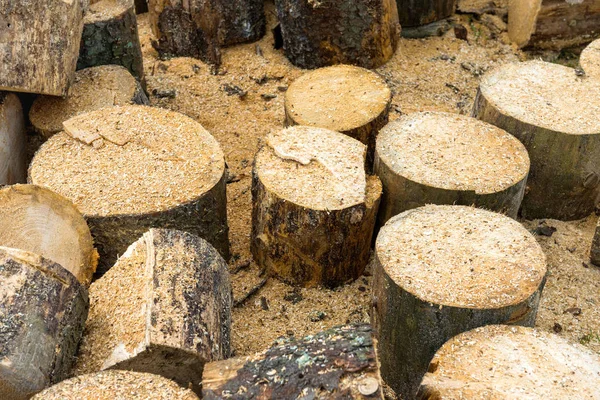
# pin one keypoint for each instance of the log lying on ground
(92, 89)
(313, 208)
(164, 308)
(343, 98)
(443, 270)
(422, 12)
(554, 113)
(442, 158)
(318, 33)
(13, 140)
(39, 45)
(132, 168)
(338, 363)
(501, 362)
(590, 60)
(42, 313)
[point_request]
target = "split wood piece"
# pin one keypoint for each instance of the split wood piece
(13, 140)
(552, 24)
(39, 44)
(42, 314)
(501, 362)
(318, 33)
(595, 249)
(421, 12)
(313, 208)
(590, 59)
(443, 270)
(554, 113)
(93, 88)
(443, 158)
(116, 385)
(343, 98)
(132, 168)
(164, 308)
(338, 363)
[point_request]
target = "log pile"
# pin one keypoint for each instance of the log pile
(13, 140)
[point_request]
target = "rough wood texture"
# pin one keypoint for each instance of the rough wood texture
(442, 270)
(595, 249)
(550, 110)
(164, 308)
(42, 313)
(39, 44)
(321, 33)
(422, 12)
(500, 362)
(590, 60)
(13, 140)
(339, 363)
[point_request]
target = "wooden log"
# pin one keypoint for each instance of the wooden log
(164, 308)
(132, 168)
(595, 248)
(339, 363)
(39, 44)
(443, 270)
(590, 60)
(421, 12)
(92, 89)
(552, 112)
(42, 313)
(342, 98)
(313, 207)
(13, 140)
(553, 24)
(442, 158)
(321, 33)
(480, 7)
(501, 362)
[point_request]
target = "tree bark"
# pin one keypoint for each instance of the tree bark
(595, 249)
(13, 140)
(421, 12)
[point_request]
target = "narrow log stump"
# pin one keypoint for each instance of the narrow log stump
(164, 308)
(321, 33)
(92, 89)
(590, 60)
(132, 168)
(339, 363)
(42, 313)
(343, 98)
(443, 270)
(422, 12)
(313, 208)
(554, 113)
(502, 362)
(13, 140)
(441, 158)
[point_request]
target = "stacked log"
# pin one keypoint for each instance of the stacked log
(590, 60)
(13, 140)
(421, 12)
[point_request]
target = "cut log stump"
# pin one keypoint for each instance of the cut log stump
(92, 89)
(556, 115)
(502, 362)
(133, 168)
(339, 363)
(313, 207)
(42, 313)
(164, 308)
(590, 60)
(322, 33)
(443, 270)
(13, 140)
(421, 12)
(342, 98)
(441, 158)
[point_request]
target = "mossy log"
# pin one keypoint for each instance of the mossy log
(13, 140)
(590, 60)
(421, 12)
(42, 313)
(553, 113)
(443, 270)
(339, 363)
(164, 308)
(322, 33)
(313, 207)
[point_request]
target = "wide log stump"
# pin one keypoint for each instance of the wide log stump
(510, 362)
(443, 270)
(442, 158)
(590, 60)
(321, 33)
(92, 89)
(338, 363)
(13, 140)
(132, 168)
(42, 313)
(343, 98)
(422, 12)
(164, 308)
(313, 207)
(554, 113)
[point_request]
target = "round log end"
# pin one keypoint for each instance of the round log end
(106, 10)
(590, 59)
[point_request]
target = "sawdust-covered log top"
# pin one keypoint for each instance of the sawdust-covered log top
(590, 60)
(420, 12)
(132, 168)
(556, 114)
(314, 208)
(13, 140)
(443, 270)
(501, 362)
(443, 158)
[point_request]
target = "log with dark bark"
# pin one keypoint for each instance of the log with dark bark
(13, 140)
(421, 12)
